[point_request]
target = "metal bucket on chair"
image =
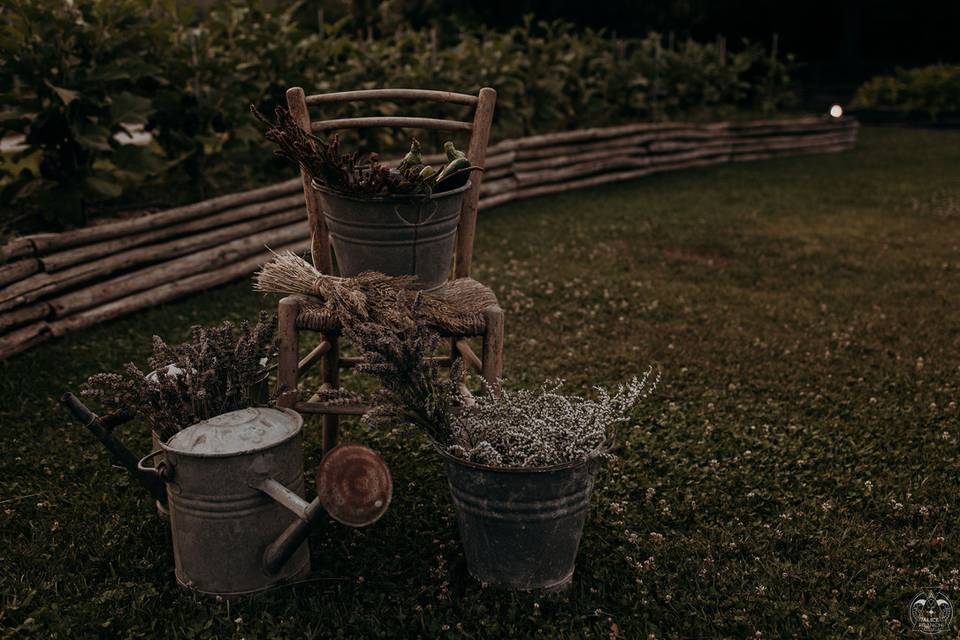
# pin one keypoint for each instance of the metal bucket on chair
(394, 236)
(235, 488)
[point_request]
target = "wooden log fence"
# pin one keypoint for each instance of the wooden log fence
(53, 284)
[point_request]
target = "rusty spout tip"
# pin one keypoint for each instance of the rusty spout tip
(354, 485)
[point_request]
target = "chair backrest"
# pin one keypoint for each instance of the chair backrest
(483, 103)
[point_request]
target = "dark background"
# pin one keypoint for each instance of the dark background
(839, 43)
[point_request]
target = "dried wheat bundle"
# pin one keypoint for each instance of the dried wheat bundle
(389, 322)
(367, 297)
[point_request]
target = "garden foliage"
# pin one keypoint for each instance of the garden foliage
(77, 78)
(931, 90)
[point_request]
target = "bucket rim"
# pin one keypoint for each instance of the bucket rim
(562, 466)
(233, 454)
(393, 199)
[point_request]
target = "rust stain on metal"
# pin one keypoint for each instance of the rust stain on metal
(354, 485)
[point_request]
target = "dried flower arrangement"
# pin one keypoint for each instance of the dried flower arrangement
(544, 427)
(219, 369)
(522, 428)
(392, 326)
(362, 175)
(411, 390)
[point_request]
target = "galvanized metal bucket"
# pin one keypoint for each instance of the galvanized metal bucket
(394, 236)
(521, 528)
(235, 494)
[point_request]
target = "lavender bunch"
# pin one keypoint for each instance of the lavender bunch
(219, 369)
(398, 353)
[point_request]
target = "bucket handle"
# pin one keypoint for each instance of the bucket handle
(436, 207)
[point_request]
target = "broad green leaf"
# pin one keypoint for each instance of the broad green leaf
(30, 186)
(123, 69)
(108, 73)
(233, 145)
(130, 109)
(67, 95)
(92, 135)
(247, 133)
(103, 186)
(137, 161)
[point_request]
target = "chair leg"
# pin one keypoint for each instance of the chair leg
(492, 358)
(288, 340)
(331, 377)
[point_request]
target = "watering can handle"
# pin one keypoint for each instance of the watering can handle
(162, 470)
(102, 432)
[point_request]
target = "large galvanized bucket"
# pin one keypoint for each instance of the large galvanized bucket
(521, 528)
(235, 490)
(394, 236)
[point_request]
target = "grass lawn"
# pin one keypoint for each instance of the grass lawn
(796, 473)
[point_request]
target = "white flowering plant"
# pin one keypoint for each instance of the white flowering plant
(544, 427)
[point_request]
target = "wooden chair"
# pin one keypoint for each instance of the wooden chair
(484, 318)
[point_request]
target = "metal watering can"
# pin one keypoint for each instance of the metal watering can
(231, 484)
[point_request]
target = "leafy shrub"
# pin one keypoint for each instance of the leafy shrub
(76, 77)
(73, 81)
(932, 90)
(237, 55)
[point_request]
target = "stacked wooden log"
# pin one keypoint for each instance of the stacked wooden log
(56, 283)
(558, 162)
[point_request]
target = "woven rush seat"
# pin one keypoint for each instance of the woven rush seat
(468, 299)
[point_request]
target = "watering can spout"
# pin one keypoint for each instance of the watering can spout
(280, 550)
(354, 487)
(102, 430)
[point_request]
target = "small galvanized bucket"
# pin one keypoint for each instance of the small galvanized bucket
(521, 528)
(394, 236)
(235, 494)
